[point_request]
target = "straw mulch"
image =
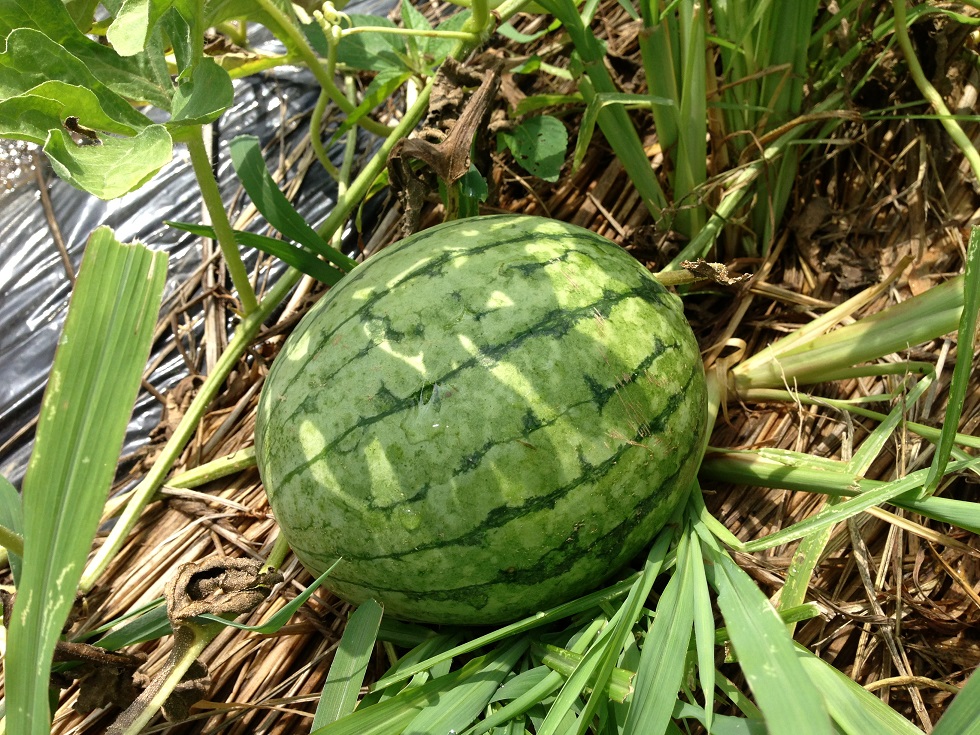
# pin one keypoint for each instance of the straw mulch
(899, 609)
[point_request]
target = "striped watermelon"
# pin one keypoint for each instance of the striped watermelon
(484, 420)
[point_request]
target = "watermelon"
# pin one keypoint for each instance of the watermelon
(484, 420)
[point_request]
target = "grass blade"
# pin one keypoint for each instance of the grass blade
(964, 364)
(855, 710)
(462, 704)
(298, 258)
(614, 121)
(394, 715)
(246, 157)
(87, 405)
(704, 625)
(12, 518)
(661, 669)
(575, 607)
(598, 664)
(350, 662)
(963, 715)
(766, 654)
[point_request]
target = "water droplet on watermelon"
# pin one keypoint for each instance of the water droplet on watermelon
(409, 519)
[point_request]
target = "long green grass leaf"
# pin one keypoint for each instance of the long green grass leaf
(394, 715)
(766, 654)
(461, 705)
(575, 607)
(613, 120)
(350, 662)
(662, 659)
(12, 518)
(596, 667)
(704, 624)
(86, 407)
(964, 364)
(298, 258)
(855, 710)
(962, 717)
(246, 157)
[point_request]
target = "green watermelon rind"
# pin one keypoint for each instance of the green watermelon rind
(483, 420)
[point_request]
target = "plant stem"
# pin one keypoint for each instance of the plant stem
(12, 541)
(431, 33)
(946, 118)
(309, 57)
(211, 195)
(189, 642)
(316, 122)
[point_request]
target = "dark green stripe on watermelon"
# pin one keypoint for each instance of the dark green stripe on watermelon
(482, 420)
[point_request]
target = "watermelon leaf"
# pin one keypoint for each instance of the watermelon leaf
(539, 145)
(204, 96)
(372, 51)
(130, 31)
(117, 167)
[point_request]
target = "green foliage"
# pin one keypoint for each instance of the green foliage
(87, 405)
(623, 659)
(11, 518)
(350, 662)
(539, 144)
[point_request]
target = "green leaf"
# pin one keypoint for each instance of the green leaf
(30, 116)
(857, 711)
(87, 405)
(349, 665)
(148, 625)
(437, 49)
(463, 703)
(179, 33)
(382, 87)
(82, 13)
(246, 157)
(539, 145)
(12, 518)
(142, 77)
(966, 336)
(202, 98)
(291, 255)
(112, 169)
(661, 670)
(720, 725)
(136, 19)
(414, 20)
(766, 654)
(31, 59)
(372, 51)
(395, 714)
(962, 717)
